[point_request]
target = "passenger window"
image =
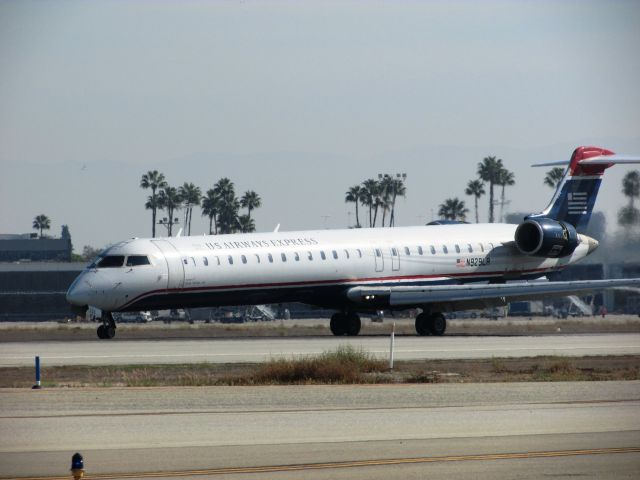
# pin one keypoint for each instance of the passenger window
(310, 256)
(185, 261)
(111, 261)
(193, 260)
(243, 258)
(481, 247)
(217, 260)
(335, 254)
(378, 252)
(470, 248)
(322, 255)
(394, 252)
(433, 249)
(284, 257)
(230, 260)
(346, 253)
(257, 258)
(457, 248)
(407, 252)
(296, 256)
(420, 252)
(445, 249)
(359, 253)
(205, 260)
(270, 257)
(135, 260)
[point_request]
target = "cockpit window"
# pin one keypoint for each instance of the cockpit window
(110, 261)
(135, 260)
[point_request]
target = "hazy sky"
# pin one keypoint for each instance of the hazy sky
(300, 100)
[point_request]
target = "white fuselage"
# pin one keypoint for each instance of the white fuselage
(314, 267)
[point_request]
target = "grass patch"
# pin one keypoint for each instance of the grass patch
(341, 366)
(346, 364)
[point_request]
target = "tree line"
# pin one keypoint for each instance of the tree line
(379, 196)
(219, 203)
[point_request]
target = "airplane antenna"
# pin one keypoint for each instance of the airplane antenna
(179, 233)
(275, 230)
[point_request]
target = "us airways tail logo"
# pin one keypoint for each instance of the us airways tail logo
(577, 203)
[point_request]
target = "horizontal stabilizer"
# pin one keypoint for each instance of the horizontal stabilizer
(452, 294)
(599, 160)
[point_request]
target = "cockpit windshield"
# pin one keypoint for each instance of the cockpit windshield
(135, 260)
(109, 261)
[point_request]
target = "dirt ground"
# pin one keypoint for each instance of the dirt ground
(42, 331)
(533, 369)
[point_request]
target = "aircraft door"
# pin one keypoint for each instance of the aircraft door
(174, 263)
(377, 253)
(395, 259)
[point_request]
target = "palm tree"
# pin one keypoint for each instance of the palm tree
(190, 196)
(553, 177)
(489, 171)
(505, 178)
(170, 200)
(385, 193)
(475, 188)
(369, 192)
(153, 180)
(246, 224)
(228, 207)
(399, 190)
(629, 216)
(210, 208)
(41, 222)
(631, 185)
(453, 209)
(250, 200)
(354, 194)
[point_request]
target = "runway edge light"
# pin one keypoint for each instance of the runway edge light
(77, 466)
(37, 385)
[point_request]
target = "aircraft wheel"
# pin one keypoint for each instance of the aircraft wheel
(338, 324)
(437, 324)
(422, 322)
(110, 331)
(353, 324)
(102, 334)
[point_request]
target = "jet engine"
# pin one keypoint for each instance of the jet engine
(544, 237)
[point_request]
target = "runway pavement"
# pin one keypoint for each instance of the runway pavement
(118, 352)
(533, 430)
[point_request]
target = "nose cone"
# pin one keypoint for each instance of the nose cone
(592, 243)
(78, 293)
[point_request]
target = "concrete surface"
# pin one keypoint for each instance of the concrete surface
(413, 431)
(118, 352)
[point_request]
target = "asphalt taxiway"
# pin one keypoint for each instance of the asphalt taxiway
(119, 352)
(532, 430)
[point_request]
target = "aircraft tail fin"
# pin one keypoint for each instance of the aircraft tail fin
(576, 194)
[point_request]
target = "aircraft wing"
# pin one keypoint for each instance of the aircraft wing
(472, 295)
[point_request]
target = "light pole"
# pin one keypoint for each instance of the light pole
(168, 223)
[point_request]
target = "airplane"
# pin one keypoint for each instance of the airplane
(447, 266)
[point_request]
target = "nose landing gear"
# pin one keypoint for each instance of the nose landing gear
(107, 330)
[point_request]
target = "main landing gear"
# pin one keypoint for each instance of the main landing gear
(431, 324)
(345, 324)
(107, 330)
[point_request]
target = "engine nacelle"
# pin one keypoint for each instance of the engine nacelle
(544, 237)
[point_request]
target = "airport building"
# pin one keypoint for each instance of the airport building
(30, 247)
